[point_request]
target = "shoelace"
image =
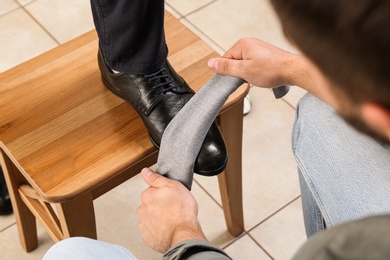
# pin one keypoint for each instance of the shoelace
(165, 81)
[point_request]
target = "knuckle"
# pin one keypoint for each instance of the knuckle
(144, 196)
(154, 178)
(225, 65)
(245, 40)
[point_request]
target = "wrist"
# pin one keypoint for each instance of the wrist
(190, 229)
(298, 72)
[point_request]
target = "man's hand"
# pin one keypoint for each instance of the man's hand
(168, 213)
(267, 66)
(260, 64)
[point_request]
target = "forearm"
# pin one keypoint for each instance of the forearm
(301, 72)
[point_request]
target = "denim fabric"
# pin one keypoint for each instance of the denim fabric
(80, 248)
(344, 175)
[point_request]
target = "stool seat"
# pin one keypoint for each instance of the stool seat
(66, 139)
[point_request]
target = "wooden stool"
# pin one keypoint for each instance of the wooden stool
(66, 139)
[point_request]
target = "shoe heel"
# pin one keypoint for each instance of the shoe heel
(112, 89)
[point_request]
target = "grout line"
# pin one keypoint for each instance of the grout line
(197, 28)
(184, 17)
(204, 34)
(200, 8)
(43, 27)
(234, 240)
(262, 248)
(208, 193)
(31, 1)
(273, 214)
(175, 10)
(22, 5)
(193, 11)
(270, 216)
(288, 103)
(7, 227)
(10, 11)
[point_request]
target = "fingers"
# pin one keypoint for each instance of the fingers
(226, 66)
(154, 179)
(234, 62)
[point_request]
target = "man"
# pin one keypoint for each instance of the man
(133, 63)
(344, 174)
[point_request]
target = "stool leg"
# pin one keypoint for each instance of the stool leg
(25, 220)
(230, 181)
(77, 217)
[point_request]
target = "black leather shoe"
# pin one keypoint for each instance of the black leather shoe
(5, 202)
(157, 98)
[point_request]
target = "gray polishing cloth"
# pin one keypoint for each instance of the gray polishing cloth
(184, 135)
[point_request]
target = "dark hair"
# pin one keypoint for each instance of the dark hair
(349, 40)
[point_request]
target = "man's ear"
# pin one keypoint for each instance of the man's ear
(378, 117)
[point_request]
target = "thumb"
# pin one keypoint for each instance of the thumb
(226, 66)
(153, 179)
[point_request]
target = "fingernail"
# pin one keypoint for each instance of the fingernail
(147, 172)
(213, 63)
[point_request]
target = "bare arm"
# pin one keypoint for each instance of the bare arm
(168, 213)
(267, 66)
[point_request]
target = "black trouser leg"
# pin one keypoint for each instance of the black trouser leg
(5, 202)
(131, 34)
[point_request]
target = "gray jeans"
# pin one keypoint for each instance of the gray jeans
(344, 175)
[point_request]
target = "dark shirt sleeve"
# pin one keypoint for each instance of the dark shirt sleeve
(363, 239)
(195, 249)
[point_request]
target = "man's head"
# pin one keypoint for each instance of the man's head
(349, 42)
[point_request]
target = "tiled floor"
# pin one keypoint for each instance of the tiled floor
(273, 214)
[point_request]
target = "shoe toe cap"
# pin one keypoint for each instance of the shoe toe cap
(212, 158)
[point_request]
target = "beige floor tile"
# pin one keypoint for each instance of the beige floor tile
(25, 2)
(63, 21)
(212, 219)
(225, 21)
(10, 247)
(210, 184)
(245, 248)
(270, 178)
(23, 39)
(204, 37)
(6, 221)
(185, 7)
(173, 12)
(7, 6)
(284, 233)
